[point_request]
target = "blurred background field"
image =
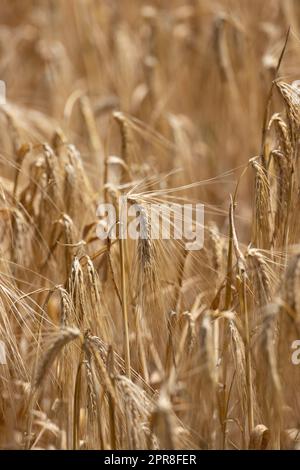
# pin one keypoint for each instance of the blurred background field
(185, 350)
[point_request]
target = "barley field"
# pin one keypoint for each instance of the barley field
(121, 343)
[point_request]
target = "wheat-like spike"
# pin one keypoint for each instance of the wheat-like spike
(64, 336)
(221, 47)
(239, 355)
(141, 340)
(291, 99)
(136, 394)
(145, 245)
(207, 347)
(291, 286)
(191, 337)
(93, 402)
(92, 398)
(126, 137)
(283, 181)
(263, 219)
(66, 306)
(93, 281)
(282, 133)
(101, 370)
(216, 244)
(20, 234)
(22, 152)
(137, 409)
(77, 288)
(70, 188)
(261, 274)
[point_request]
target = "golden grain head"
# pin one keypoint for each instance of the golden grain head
(118, 342)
